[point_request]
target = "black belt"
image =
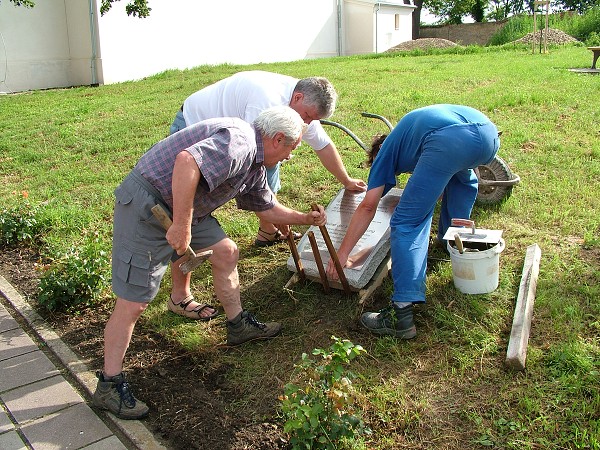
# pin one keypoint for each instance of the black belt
(181, 108)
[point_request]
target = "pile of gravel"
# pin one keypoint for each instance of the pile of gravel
(554, 37)
(423, 43)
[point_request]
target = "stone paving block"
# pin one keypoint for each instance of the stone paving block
(25, 369)
(11, 441)
(6, 320)
(110, 443)
(40, 398)
(5, 423)
(74, 427)
(15, 342)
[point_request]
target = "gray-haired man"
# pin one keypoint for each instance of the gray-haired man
(245, 95)
(192, 173)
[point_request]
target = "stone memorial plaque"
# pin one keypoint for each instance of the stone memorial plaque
(371, 249)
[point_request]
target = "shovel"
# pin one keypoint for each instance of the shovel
(195, 259)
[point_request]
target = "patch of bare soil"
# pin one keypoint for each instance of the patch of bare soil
(423, 43)
(189, 399)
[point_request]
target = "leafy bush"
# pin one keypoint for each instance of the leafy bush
(516, 27)
(19, 224)
(593, 40)
(75, 278)
(319, 407)
(581, 26)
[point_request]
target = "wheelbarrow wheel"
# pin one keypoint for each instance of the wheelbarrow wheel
(497, 170)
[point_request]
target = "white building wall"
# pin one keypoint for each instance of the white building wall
(181, 34)
(359, 31)
(41, 48)
(370, 26)
(52, 45)
(386, 34)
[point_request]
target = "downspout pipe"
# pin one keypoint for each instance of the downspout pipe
(377, 8)
(339, 27)
(93, 39)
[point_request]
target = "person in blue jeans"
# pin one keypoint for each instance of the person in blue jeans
(439, 145)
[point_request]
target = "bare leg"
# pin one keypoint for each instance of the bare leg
(117, 334)
(227, 285)
(181, 287)
(267, 227)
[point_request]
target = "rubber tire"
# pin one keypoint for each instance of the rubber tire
(497, 170)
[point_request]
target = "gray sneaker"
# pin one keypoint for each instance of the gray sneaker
(392, 321)
(247, 328)
(115, 395)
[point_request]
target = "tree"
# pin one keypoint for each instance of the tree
(581, 6)
(25, 3)
(136, 8)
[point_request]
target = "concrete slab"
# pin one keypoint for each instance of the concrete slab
(74, 427)
(40, 398)
(14, 343)
(6, 320)
(111, 443)
(25, 369)
(369, 252)
(5, 423)
(11, 441)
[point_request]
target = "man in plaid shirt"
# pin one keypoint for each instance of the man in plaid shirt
(192, 173)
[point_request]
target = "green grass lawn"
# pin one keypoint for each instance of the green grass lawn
(449, 387)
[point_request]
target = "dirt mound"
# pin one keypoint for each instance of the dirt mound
(554, 37)
(423, 43)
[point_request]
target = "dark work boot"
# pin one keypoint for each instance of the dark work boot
(115, 395)
(245, 327)
(391, 321)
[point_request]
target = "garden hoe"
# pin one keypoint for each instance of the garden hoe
(195, 259)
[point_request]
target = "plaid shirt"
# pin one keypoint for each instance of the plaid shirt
(229, 154)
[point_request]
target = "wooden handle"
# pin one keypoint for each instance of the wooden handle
(319, 261)
(459, 244)
(162, 216)
(295, 255)
(463, 223)
(164, 219)
(333, 254)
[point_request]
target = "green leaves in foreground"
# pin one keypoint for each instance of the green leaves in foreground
(319, 407)
(19, 224)
(75, 278)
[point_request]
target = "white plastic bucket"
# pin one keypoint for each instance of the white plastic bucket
(476, 272)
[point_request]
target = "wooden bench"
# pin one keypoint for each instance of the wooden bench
(596, 52)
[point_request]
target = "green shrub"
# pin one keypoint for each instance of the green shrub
(593, 39)
(319, 406)
(19, 224)
(75, 278)
(516, 27)
(582, 27)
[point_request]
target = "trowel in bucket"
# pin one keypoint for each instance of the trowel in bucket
(464, 231)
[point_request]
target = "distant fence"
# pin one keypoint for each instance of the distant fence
(464, 33)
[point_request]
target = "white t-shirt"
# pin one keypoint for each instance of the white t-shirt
(246, 95)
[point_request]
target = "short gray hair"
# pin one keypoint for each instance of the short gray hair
(280, 119)
(319, 92)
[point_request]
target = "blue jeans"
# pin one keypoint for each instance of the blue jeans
(444, 169)
(178, 123)
(273, 178)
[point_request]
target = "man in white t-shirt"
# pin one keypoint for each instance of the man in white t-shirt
(246, 95)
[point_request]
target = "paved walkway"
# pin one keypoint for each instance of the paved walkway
(44, 390)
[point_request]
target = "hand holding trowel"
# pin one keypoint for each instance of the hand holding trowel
(195, 259)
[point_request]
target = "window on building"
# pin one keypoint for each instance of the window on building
(397, 21)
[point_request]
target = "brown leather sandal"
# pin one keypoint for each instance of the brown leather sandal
(273, 238)
(180, 309)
